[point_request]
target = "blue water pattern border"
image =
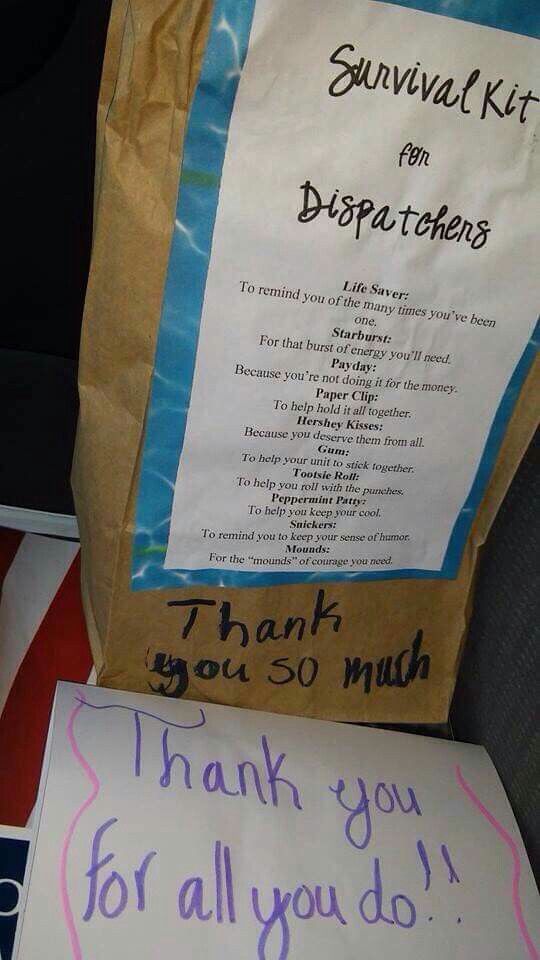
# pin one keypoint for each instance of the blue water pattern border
(204, 152)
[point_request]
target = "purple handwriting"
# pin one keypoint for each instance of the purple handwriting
(191, 896)
(144, 713)
(426, 865)
(261, 780)
(245, 778)
(111, 893)
(303, 903)
(112, 888)
(274, 910)
(402, 911)
(358, 825)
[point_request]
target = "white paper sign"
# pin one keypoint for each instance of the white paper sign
(201, 831)
(372, 288)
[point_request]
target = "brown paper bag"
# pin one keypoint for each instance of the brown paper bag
(366, 651)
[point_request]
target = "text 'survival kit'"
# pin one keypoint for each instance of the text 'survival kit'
(307, 376)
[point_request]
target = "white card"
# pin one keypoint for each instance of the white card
(201, 831)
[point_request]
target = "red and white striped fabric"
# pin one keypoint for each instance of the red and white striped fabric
(42, 639)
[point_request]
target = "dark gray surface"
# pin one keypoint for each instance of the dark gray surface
(497, 700)
(38, 400)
